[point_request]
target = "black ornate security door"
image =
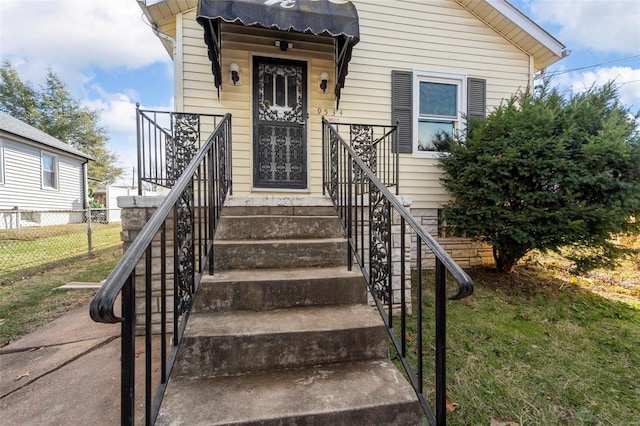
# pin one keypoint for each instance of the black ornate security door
(279, 117)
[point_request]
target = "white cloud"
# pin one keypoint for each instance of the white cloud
(74, 38)
(77, 33)
(609, 26)
(118, 115)
(626, 79)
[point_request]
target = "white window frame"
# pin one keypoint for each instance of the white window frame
(460, 80)
(1, 162)
(56, 165)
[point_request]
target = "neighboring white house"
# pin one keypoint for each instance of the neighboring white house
(38, 172)
(109, 195)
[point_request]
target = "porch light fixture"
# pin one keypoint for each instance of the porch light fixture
(283, 45)
(234, 70)
(323, 83)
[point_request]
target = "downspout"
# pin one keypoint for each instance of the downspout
(163, 36)
(532, 72)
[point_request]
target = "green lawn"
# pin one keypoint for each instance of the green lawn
(26, 249)
(35, 261)
(534, 349)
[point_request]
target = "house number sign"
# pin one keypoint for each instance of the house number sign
(329, 112)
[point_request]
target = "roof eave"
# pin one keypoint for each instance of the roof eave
(68, 151)
(549, 51)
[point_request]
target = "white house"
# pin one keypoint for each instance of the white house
(285, 64)
(38, 172)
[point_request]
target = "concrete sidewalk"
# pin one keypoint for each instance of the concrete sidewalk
(67, 372)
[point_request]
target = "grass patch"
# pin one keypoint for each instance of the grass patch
(31, 248)
(29, 299)
(532, 348)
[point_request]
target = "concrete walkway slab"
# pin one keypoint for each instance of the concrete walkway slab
(19, 369)
(82, 392)
(73, 367)
(74, 326)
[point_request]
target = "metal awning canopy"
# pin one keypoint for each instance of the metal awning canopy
(317, 17)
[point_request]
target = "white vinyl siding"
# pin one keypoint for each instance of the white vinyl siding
(22, 186)
(439, 36)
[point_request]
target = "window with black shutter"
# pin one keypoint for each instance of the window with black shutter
(440, 108)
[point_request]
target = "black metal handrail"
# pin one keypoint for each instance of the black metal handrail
(167, 141)
(187, 218)
(377, 146)
(370, 214)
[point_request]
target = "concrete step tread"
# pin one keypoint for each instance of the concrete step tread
(280, 274)
(282, 241)
(360, 393)
(282, 321)
(281, 216)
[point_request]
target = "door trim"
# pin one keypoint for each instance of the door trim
(304, 185)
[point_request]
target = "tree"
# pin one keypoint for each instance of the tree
(543, 171)
(54, 111)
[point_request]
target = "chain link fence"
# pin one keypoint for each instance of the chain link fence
(34, 238)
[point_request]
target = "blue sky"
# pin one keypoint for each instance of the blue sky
(110, 59)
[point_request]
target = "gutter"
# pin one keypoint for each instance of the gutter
(164, 38)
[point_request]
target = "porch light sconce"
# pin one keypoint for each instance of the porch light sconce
(234, 71)
(283, 45)
(323, 83)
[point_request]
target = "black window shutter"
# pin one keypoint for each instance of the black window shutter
(402, 108)
(476, 98)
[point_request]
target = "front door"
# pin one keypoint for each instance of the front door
(279, 118)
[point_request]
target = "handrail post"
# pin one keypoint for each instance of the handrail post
(349, 213)
(324, 160)
(127, 353)
(441, 326)
(139, 147)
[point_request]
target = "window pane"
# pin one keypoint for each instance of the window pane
(268, 88)
(280, 90)
(292, 92)
(48, 179)
(438, 99)
(47, 162)
(1, 162)
(427, 131)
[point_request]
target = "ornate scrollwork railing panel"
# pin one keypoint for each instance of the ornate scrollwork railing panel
(183, 144)
(380, 244)
(185, 264)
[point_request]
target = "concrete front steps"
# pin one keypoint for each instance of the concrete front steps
(272, 340)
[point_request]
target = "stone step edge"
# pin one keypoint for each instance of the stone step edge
(282, 241)
(309, 319)
(378, 384)
(281, 274)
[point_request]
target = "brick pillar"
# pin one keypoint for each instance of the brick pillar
(136, 212)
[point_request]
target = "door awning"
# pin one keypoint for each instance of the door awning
(317, 17)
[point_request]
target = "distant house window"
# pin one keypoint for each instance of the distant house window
(1, 162)
(49, 171)
(439, 107)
